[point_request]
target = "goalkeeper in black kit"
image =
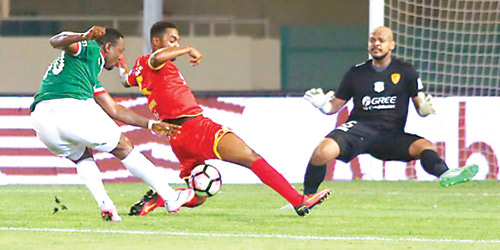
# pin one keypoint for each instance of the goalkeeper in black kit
(381, 89)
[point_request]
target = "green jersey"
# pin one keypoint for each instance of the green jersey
(73, 76)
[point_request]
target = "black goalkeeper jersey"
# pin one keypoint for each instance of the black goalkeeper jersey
(380, 98)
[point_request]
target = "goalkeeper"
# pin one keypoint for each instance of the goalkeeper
(381, 89)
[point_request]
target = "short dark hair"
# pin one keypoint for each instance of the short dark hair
(158, 29)
(112, 35)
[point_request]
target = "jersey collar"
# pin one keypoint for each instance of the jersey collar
(379, 69)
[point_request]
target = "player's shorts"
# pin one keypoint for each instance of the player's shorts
(197, 142)
(355, 138)
(69, 126)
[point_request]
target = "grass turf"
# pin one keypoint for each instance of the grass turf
(359, 215)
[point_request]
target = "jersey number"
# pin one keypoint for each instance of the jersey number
(56, 66)
(346, 126)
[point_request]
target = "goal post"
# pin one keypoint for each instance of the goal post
(376, 14)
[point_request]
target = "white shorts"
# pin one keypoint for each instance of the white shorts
(69, 126)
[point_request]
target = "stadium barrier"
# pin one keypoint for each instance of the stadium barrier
(284, 130)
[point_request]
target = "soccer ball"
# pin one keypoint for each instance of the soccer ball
(205, 179)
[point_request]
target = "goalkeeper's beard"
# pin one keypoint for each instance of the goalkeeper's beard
(380, 58)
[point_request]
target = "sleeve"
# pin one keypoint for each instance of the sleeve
(149, 62)
(134, 73)
(344, 90)
(99, 89)
(82, 49)
(414, 83)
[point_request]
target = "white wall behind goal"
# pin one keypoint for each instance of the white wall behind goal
(283, 130)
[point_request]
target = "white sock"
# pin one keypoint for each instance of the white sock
(144, 169)
(91, 175)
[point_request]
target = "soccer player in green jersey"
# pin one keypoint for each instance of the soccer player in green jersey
(72, 115)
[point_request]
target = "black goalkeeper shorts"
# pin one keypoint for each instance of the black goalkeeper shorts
(355, 138)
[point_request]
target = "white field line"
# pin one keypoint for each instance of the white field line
(267, 236)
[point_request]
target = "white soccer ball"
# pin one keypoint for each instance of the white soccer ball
(206, 180)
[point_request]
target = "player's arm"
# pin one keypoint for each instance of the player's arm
(123, 71)
(124, 115)
(423, 104)
(327, 103)
(129, 78)
(68, 41)
(336, 105)
(160, 56)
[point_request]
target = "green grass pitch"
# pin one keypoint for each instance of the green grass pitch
(359, 215)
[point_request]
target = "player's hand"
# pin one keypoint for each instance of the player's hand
(319, 99)
(123, 70)
(425, 107)
(195, 55)
(165, 129)
(122, 62)
(94, 32)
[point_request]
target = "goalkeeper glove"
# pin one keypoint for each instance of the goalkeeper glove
(319, 99)
(425, 104)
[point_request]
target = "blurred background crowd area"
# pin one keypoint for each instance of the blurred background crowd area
(242, 40)
(256, 18)
(269, 46)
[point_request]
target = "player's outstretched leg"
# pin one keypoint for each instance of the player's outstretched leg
(311, 201)
(458, 175)
(231, 148)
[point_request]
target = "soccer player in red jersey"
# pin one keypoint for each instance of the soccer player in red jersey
(200, 139)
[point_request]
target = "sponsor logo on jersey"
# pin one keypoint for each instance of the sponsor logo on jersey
(395, 78)
(379, 103)
(378, 86)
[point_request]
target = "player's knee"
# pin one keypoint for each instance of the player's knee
(321, 155)
(124, 144)
(86, 154)
(419, 146)
(249, 158)
(326, 151)
(244, 156)
(123, 148)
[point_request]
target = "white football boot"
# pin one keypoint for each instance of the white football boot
(109, 213)
(173, 206)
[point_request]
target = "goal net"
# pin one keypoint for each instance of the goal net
(455, 47)
(454, 44)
